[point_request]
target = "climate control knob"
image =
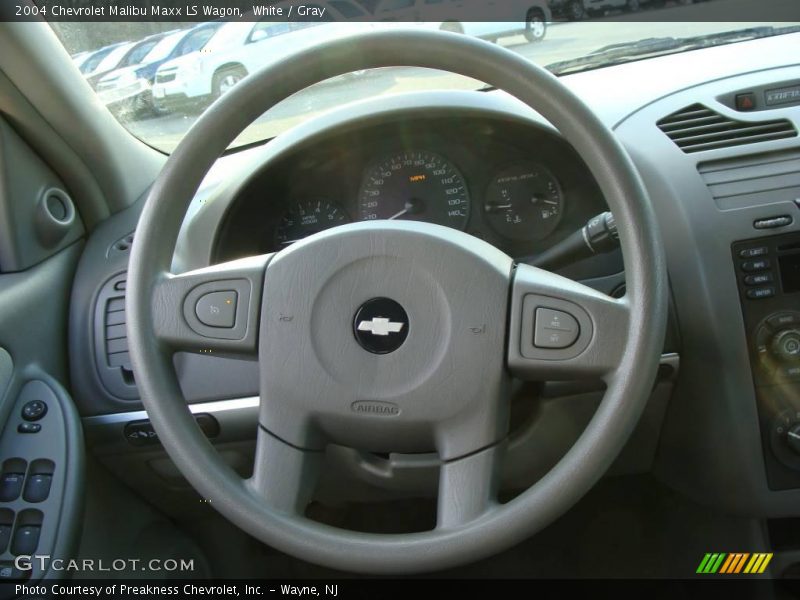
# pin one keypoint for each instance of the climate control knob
(786, 345)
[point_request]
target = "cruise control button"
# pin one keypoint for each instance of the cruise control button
(217, 309)
(554, 329)
(755, 265)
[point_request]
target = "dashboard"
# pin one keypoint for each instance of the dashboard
(521, 189)
(500, 163)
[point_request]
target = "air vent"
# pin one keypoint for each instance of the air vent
(116, 338)
(697, 128)
(753, 179)
(111, 340)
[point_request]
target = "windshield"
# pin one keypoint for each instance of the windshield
(190, 69)
(113, 58)
(137, 54)
(164, 48)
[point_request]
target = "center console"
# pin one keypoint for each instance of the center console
(768, 274)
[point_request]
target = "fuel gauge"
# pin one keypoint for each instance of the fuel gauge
(524, 202)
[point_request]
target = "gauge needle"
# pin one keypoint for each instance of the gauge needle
(413, 206)
(493, 207)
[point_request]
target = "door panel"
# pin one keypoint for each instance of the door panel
(41, 442)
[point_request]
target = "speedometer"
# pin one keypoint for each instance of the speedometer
(417, 186)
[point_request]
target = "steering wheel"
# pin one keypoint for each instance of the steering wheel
(392, 336)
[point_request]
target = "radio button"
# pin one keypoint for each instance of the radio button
(786, 345)
(755, 265)
(754, 252)
(759, 293)
(791, 372)
(783, 320)
(758, 279)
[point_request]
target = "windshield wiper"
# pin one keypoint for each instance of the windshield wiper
(617, 54)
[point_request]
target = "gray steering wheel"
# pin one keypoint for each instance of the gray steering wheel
(322, 319)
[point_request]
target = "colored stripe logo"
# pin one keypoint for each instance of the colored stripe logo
(734, 563)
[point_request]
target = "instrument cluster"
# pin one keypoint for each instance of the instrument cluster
(521, 189)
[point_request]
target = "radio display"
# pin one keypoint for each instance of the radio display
(783, 95)
(790, 272)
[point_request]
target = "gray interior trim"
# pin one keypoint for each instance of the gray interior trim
(240, 406)
(237, 419)
(217, 408)
(29, 232)
(708, 411)
(53, 106)
(60, 445)
(6, 371)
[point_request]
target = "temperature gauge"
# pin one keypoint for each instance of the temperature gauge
(524, 202)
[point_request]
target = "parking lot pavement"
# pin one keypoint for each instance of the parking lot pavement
(563, 41)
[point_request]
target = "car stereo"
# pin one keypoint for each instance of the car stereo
(768, 277)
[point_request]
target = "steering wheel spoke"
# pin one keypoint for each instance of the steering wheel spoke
(560, 329)
(467, 488)
(211, 310)
(284, 476)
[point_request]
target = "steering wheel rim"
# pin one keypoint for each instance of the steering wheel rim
(152, 297)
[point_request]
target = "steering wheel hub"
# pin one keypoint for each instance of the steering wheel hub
(442, 366)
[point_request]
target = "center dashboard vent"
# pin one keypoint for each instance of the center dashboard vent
(697, 128)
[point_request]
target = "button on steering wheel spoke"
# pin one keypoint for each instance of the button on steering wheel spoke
(211, 310)
(561, 329)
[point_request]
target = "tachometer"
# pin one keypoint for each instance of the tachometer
(524, 202)
(418, 186)
(306, 218)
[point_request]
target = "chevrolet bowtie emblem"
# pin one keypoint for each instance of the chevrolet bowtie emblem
(380, 326)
